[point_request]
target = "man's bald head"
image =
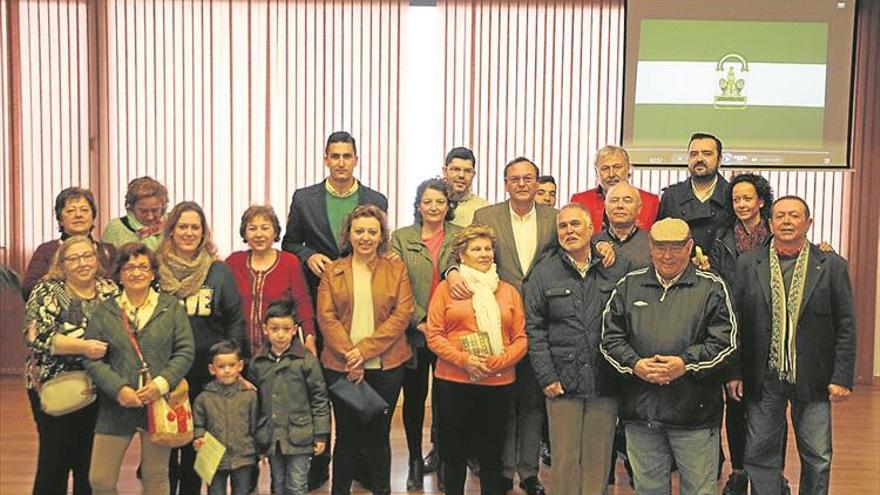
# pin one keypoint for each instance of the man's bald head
(622, 205)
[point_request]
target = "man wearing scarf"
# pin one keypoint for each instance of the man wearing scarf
(795, 306)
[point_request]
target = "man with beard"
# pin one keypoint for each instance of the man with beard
(699, 200)
(613, 167)
(459, 172)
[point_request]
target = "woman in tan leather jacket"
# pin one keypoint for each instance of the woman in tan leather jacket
(364, 307)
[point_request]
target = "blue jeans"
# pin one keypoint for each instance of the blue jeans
(651, 450)
(290, 473)
(240, 479)
(765, 430)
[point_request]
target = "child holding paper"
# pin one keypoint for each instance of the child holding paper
(294, 417)
(228, 410)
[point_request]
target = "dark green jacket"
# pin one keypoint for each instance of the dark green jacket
(294, 409)
(167, 344)
(407, 243)
(229, 412)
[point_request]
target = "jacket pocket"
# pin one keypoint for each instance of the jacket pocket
(560, 303)
(565, 364)
(301, 432)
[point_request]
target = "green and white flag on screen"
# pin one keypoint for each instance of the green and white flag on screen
(725, 76)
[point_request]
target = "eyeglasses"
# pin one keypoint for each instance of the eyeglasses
(79, 258)
(129, 269)
(525, 179)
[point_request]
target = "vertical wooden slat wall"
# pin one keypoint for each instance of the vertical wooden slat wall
(544, 80)
(229, 102)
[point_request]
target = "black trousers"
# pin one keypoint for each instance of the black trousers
(65, 448)
(473, 420)
(372, 441)
(735, 423)
(415, 392)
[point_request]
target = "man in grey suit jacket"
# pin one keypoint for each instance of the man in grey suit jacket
(524, 232)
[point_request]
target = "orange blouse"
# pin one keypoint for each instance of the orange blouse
(449, 319)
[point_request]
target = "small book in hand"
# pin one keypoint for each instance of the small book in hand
(477, 344)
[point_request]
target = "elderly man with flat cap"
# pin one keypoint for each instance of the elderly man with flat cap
(669, 329)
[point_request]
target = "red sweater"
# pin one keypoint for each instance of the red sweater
(284, 280)
(594, 200)
(449, 319)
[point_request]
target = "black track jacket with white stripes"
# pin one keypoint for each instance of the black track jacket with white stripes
(693, 319)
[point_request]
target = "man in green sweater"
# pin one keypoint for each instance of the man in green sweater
(316, 213)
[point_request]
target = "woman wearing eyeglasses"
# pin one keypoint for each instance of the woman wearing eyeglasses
(159, 325)
(56, 317)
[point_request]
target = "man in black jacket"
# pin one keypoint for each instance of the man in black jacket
(795, 304)
(564, 298)
(699, 200)
(669, 328)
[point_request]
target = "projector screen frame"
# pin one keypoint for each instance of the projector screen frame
(628, 89)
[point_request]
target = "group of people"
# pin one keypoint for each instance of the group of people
(625, 321)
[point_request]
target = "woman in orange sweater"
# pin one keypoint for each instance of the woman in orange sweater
(477, 341)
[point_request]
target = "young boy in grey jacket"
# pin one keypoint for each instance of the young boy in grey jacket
(294, 419)
(228, 410)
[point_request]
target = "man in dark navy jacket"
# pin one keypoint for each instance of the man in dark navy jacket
(795, 307)
(312, 234)
(699, 200)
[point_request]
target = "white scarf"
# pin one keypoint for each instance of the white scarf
(486, 310)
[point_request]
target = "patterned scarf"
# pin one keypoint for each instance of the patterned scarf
(785, 310)
(486, 310)
(746, 241)
(180, 276)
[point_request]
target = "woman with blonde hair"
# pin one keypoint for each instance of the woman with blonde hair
(189, 270)
(478, 342)
(56, 318)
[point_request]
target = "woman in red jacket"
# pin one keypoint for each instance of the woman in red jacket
(265, 274)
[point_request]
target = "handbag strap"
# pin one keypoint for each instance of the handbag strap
(134, 343)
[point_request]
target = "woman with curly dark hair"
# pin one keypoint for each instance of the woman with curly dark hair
(426, 249)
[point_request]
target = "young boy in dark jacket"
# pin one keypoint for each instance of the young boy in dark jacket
(294, 419)
(228, 410)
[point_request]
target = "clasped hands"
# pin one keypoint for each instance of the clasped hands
(354, 365)
(661, 370)
(476, 367)
(129, 397)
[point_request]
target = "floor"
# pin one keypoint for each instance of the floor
(856, 468)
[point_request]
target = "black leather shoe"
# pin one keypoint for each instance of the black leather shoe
(506, 484)
(431, 461)
(545, 454)
(532, 486)
(318, 475)
(737, 484)
(414, 480)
